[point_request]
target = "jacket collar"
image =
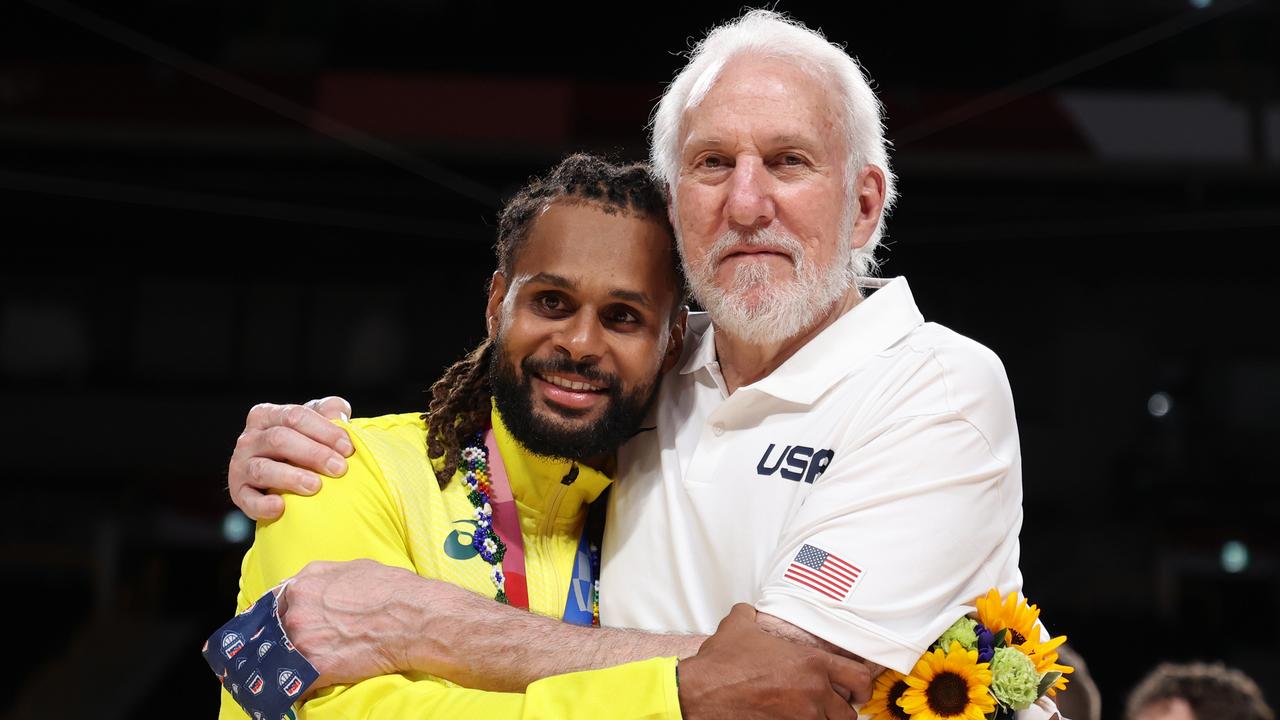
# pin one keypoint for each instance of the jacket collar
(537, 480)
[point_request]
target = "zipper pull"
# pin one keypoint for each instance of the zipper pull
(570, 476)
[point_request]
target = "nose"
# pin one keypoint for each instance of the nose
(581, 337)
(750, 203)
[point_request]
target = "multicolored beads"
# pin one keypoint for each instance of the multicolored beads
(475, 466)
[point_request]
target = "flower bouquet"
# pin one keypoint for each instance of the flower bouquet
(984, 668)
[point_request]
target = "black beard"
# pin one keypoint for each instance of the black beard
(514, 399)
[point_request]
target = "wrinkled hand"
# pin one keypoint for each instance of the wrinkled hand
(282, 448)
(744, 672)
(353, 620)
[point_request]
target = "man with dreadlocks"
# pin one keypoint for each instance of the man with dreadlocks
(489, 489)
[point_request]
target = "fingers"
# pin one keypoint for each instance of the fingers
(278, 447)
(252, 472)
(315, 425)
(851, 675)
(257, 505)
(837, 708)
(741, 613)
(296, 449)
(332, 407)
(303, 420)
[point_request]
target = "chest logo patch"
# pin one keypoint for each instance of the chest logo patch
(797, 463)
(457, 544)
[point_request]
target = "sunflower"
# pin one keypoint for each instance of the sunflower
(1014, 614)
(883, 704)
(949, 685)
(1045, 656)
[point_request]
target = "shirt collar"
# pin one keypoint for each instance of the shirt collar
(699, 344)
(536, 479)
(872, 326)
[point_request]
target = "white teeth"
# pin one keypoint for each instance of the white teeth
(569, 384)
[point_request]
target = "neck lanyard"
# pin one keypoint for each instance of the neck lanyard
(506, 522)
(581, 601)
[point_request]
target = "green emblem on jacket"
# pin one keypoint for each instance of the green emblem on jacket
(457, 544)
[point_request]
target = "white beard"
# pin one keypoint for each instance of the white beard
(758, 309)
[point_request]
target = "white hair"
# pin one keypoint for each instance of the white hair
(759, 308)
(765, 33)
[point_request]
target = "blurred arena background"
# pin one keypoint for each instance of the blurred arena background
(210, 204)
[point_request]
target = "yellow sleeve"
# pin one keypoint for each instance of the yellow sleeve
(643, 690)
(353, 517)
(357, 516)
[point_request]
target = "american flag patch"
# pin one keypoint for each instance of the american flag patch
(821, 571)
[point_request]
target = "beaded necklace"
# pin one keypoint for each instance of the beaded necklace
(486, 542)
(475, 463)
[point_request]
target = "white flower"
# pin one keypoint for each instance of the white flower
(490, 545)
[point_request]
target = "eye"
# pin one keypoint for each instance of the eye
(712, 162)
(791, 159)
(550, 303)
(623, 316)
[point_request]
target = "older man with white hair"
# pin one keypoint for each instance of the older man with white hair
(825, 455)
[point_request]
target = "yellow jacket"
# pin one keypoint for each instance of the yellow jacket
(390, 508)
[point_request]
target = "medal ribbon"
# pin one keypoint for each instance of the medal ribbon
(506, 522)
(579, 607)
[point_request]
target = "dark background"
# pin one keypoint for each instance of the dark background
(207, 204)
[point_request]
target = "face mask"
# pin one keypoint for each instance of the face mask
(257, 664)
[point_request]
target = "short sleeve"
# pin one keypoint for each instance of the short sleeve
(912, 521)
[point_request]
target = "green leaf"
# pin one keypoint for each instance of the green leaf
(1049, 679)
(997, 640)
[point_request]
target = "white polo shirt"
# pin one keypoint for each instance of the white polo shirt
(867, 491)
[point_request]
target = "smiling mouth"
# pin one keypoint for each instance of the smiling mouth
(567, 384)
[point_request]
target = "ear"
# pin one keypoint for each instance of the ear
(493, 310)
(868, 198)
(675, 343)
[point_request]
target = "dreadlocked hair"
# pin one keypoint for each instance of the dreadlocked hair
(458, 410)
(460, 399)
(617, 189)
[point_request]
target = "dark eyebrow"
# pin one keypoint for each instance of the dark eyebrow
(554, 280)
(565, 283)
(634, 296)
